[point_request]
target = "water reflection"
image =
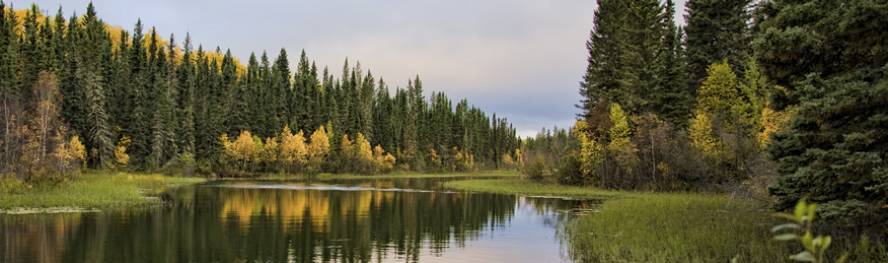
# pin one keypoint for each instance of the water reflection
(336, 221)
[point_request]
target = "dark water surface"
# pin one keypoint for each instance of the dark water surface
(394, 220)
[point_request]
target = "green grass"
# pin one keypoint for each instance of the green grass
(655, 227)
(94, 190)
(396, 175)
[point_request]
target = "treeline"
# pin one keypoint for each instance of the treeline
(137, 101)
(771, 98)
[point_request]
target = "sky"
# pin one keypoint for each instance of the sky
(522, 59)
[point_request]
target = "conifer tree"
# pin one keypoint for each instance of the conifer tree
(716, 30)
(92, 41)
(833, 151)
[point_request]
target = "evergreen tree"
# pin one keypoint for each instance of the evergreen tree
(831, 58)
(716, 30)
(672, 99)
(93, 40)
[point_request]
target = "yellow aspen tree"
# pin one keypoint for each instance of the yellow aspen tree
(382, 161)
(287, 152)
(300, 149)
(703, 136)
(719, 96)
(591, 152)
(293, 149)
(241, 149)
(318, 149)
(258, 152)
(624, 151)
(271, 153)
(363, 153)
(121, 157)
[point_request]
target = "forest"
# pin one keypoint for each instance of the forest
(777, 100)
(79, 93)
(710, 136)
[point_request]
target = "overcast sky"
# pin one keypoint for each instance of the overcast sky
(522, 59)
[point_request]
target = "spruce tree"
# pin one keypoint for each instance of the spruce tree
(91, 43)
(834, 66)
(716, 30)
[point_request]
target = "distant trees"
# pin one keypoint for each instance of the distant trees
(138, 101)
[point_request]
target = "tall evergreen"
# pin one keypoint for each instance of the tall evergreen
(9, 88)
(603, 62)
(185, 100)
(716, 30)
(92, 42)
(672, 99)
(834, 67)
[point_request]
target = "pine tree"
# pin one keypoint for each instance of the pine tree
(832, 63)
(9, 90)
(92, 41)
(604, 63)
(672, 99)
(185, 100)
(716, 30)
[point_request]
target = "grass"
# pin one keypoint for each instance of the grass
(655, 227)
(94, 190)
(396, 175)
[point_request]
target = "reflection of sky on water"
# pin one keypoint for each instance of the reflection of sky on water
(298, 222)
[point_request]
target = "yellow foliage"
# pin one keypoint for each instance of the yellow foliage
(772, 122)
(382, 161)
(702, 135)
(318, 149)
(320, 143)
(245, 149)
(120, 155)
(345, 147)
(621, 146)
(293, 149)
(70, 151)
(78, 151)
(271, 150)
(591, 152)
(363, 150)
(719, 96)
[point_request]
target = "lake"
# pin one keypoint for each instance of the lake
(380, 220)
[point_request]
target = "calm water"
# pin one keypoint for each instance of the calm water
(403, 220)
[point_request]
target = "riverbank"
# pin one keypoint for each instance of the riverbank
(94, 190)
(487, 174)
(655, 227)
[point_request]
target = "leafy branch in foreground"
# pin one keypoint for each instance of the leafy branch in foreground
(800, 228)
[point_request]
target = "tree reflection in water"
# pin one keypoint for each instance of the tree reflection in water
(237, 223)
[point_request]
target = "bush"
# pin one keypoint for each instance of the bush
(184, 164)
(11, 185)
(536, 170)
(569, 171)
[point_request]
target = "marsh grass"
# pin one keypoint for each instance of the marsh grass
(655, 227)
(95, 190)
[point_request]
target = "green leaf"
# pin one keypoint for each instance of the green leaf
(808, 241)
(804, 256)
(812, 209)
(786, 237)
(786, 216)
(784, 227)
(827, 240)
(799, 211)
